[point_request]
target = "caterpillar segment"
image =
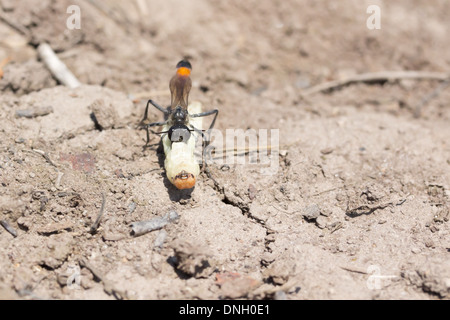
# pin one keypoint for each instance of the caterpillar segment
(182, 168)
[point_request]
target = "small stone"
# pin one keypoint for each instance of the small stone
(280, 295)
(159, 241)
(252, 191)
(131, 207)
(34, 111)
(429, 243)
(25, 223)
(109, 236)
(193, 258)
(327, 150)
(416, 250)
(321, 222)
(311, 212)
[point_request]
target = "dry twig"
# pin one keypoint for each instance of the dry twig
(375, 77)
(44, 154)
(57, 67)
(142, 227)
(94, 227)
(16, 26)
(8, 228)
(353, 269)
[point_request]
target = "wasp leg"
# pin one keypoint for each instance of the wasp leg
(154, 124)
(205, 140)
(157, 106)
(209, 174)
(197, 130)
(205, 144)
(207, 113)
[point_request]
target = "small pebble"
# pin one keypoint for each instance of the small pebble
(34, 111)
(321, 222)
(311, 212)
(429, 243)
(131, 207)
(327, 150)
(159, 241)
(280, 295)
(416, 250)
(8, 228)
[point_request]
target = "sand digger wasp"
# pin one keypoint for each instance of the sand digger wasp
(181, 129)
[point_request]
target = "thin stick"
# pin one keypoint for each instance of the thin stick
(58, 180)
(57, 67)
(248, 149)
(325, 191)
(220, 153)
(8, 228)
(245, 149)
(376, 76)
(142, 227)
(13, 24)
(44, 154)
(352, 269)
(97, 221)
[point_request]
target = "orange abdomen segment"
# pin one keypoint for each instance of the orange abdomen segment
(184, 72)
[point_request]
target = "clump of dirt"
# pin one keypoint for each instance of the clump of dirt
(193, 259)
(17, 78)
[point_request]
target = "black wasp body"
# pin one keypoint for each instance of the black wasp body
(177, 115)
(179, 131)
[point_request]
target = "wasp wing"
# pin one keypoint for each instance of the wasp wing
(180, 86)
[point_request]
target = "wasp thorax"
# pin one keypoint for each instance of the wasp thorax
(179, 133)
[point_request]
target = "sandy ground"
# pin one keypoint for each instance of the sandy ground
(358, 208)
